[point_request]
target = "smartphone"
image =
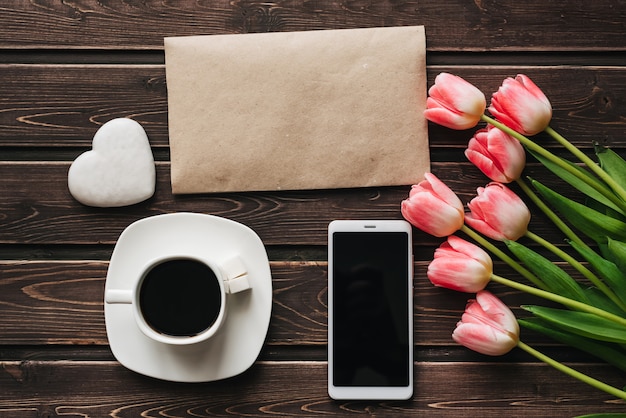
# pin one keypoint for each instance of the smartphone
(370, 309)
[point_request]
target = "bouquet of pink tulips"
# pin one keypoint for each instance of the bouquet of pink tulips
(592, 316)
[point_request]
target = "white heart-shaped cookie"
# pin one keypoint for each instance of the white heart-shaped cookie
(118, 171)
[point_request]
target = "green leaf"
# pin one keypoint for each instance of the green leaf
(613, 164)
(581, 323)
(617, 249)
(611, 353)
(578, 184)
(592, 223)
(606, 415)
(608, 271)
(554, 277)
(602, 301)
(593, 204)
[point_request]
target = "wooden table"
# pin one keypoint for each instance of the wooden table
(67, 67)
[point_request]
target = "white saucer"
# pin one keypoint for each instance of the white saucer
(238, 342)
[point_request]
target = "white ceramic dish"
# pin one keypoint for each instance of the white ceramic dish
(238, 342)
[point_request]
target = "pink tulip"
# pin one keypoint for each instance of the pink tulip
(454, 103)
(498, 155)
(498, 213)
(488, 326)
(433, 207)
(460, 265)
(521, 105)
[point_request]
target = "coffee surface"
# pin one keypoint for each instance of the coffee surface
(180, 297)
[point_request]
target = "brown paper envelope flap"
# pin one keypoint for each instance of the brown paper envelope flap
(297, 110)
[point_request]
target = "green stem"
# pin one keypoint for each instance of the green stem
(593, 166)
(550, 213)
(570, 303)
(579, 267)
(556, 160)
(504, 257)
(573, 237)
(573, 373)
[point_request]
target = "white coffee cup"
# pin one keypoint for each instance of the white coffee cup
(181, 299)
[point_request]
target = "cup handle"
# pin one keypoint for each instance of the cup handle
(115, 296)
(235, 275)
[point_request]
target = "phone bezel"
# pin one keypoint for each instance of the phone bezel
(363, 392)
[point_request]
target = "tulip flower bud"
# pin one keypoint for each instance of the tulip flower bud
(433, 207)
(460, 265)
(454, 103)
(498, 213)
(488, 326)
(498, 155)
(521, 105)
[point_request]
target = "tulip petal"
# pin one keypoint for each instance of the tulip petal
(449, 119)
(483, 227)
(487, 166)
(498, 213)
(507, 153)
(487, 326)
(517, 103)
(483, 339)
(459, 93)
(433, 207)
(521, 105)
(454, 103)
(432, 216)
(471, 250)
(457, 273)
(444, 192)
(532, 88)
(498, 311)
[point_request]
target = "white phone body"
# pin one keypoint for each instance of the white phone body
(370, 309)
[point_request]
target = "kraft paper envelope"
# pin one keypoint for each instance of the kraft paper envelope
(297, 110)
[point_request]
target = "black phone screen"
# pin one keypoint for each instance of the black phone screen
(371, 309)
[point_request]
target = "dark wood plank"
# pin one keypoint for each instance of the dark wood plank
(486, 25)
(52, 303)
(61, 303)
(298, 389)
(63, 105)
(37, 207)
(90, 61)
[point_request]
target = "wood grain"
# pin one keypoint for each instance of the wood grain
(63, 105)
(481, 25)
(73, 388)
(37, 207)
(61, 303)
(68, 67)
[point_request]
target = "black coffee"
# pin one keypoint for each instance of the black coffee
(180, 297)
